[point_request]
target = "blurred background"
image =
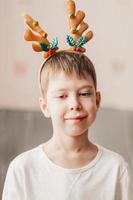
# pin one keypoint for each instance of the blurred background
(22, 125)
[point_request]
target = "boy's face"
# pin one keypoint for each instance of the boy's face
(71, 102)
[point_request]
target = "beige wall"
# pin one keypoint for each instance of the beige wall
(111, 49)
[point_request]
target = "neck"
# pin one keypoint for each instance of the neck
(69, 144)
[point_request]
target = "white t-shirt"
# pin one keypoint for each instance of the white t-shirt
(33, 176)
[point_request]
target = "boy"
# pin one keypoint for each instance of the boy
(68, 166)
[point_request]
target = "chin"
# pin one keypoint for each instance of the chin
(75, 133)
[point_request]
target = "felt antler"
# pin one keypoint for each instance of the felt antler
(43, 43)
(77, 27)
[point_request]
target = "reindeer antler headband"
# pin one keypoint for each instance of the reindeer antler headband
(76, 40)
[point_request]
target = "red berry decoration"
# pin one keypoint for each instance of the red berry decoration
(51, 51)
(78, 49)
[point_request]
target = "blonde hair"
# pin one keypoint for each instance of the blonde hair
(69, 62)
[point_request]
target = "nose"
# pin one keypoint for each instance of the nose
(74, 103)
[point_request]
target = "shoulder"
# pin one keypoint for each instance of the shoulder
(26, 159)
(112, 160)
(112, 156)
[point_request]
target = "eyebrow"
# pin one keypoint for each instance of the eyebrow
(83, 87)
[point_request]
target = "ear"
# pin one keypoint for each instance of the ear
(98, 99)
(44, 108)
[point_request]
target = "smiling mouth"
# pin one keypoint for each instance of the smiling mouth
(76, 119)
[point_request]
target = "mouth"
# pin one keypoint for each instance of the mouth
(76, 119)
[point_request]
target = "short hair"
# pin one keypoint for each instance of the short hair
(69, 62)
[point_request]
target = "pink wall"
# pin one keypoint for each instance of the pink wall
(111, 49)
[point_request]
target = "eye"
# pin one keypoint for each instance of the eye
(85, 94)
(62, 96)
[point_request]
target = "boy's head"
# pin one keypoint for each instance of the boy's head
(68, 86)
(71, 63)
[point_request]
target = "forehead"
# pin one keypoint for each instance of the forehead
(62, 81)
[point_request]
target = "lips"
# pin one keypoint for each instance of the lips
(76, 117)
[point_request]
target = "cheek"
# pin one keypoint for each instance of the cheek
(92, 111)
(91, 108)
(90, 104)
(56, 109)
